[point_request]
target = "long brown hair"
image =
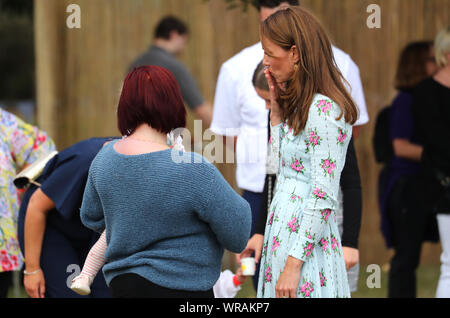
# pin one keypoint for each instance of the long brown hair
(316, 72)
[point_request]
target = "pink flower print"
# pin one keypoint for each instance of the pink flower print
(342, 136)
(316, 140)
(324, 107)
(325, 215)
(271, 218)
(307, 146)
(308, 247)
(328, 166)
(324, 243)
(275, 244)
(335, 244)
(268, 274)
(323, 279)
(293, 225)
(319, 194)
(297, 165)
(313, 139)
(307, 289)
(295, 197)
(264, 252)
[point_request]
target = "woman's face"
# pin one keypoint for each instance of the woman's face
(279, 61)
(264, 95)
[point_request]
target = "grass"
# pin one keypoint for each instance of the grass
(427, 279)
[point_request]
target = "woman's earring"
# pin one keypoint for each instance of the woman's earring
(296, 67)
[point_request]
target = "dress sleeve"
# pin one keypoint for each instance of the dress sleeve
(274, 143)
(91, 208)
(327, 161)
(28, 143)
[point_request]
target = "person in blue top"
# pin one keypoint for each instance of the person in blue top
(168, 214)
(50, 231)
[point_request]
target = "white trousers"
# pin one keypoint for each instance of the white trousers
(443, 289)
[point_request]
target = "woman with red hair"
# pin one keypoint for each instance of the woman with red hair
(167, 223)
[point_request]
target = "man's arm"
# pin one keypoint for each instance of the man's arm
(204, 112)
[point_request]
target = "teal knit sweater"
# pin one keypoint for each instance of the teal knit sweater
(165, 221)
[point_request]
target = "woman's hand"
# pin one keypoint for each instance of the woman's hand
(287, 284)
(254, 245)
(351, 256)
(275, 115)
(35, 285)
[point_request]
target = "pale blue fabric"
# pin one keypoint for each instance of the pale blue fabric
(302, 218)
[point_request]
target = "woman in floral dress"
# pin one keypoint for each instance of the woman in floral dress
(20, 145)
(311, 125)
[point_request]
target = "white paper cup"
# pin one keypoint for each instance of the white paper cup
(248, 266)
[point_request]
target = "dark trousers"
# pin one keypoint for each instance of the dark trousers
(135, 286)
(59, 254)
(410, 220)
(5, 283)
(255, 200)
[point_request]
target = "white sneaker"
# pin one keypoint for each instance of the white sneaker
(81, 285)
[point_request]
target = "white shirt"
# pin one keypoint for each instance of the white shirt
(239, 111)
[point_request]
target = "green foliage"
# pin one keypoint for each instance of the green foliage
(16, 56)
(16, 49)
(243, 4)
(17, 7)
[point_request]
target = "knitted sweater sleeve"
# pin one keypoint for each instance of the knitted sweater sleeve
(226, 212)
(91, 208)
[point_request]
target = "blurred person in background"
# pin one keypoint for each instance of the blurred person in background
(170, 41)
(431, 109)
(406, 222)
(21, 144)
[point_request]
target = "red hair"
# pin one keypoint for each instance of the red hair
(150, 95)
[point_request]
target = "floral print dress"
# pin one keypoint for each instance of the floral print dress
(20, 145)
(302, 217)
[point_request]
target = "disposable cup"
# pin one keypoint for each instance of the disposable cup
(248, 266)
